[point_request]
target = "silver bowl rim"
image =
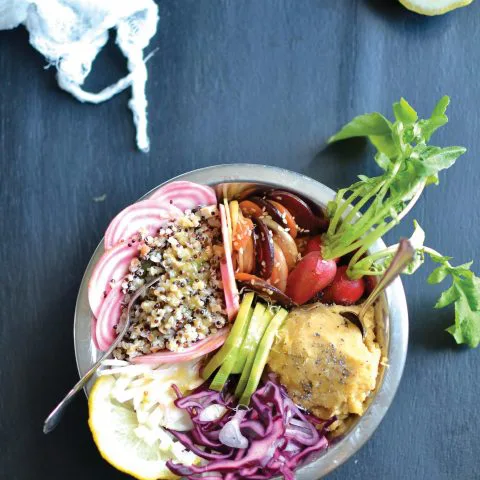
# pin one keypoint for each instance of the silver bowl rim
(395, 302)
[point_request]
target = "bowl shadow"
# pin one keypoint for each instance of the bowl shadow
(337, 164)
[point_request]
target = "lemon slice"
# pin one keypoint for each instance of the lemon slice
(434, 7)
(114, 426)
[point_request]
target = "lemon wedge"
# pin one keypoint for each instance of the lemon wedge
(115, 430)
(434, 7)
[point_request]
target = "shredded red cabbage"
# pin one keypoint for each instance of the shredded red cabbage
(279, 434)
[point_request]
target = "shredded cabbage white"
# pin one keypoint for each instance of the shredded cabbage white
(148, 390)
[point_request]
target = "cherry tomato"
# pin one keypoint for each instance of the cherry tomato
(343, 290)
(311, 274)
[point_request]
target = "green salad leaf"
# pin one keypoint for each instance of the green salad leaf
(464, 293)
(409, 164)
(364, 126)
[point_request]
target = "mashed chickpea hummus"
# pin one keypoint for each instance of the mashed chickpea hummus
(323, 362)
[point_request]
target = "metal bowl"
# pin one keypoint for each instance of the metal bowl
(391, 314)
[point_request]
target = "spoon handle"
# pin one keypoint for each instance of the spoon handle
(402, 258)
(55, 416)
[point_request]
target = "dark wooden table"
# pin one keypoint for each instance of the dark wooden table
(263, 81)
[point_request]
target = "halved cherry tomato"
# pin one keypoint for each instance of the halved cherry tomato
(343, 290)
(290, 221)
(280, 269)
(311, 275)
(250, 209)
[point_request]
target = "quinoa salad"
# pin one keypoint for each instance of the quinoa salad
(186, 304)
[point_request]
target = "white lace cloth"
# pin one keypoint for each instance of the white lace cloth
(70, 33)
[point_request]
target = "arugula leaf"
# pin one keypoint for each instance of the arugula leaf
(434, 159)
(408, 164)
(378, 262)
(465, 294)
(438, 275)
(441, 106)
(363, 126)
(466, 328)
(447, 297)
(404, 112)
(383, 161)
(384, 144)
(437, 119)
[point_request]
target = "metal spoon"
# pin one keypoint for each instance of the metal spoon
(55, 416)
(403, 256)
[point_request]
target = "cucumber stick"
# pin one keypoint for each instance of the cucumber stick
(234, 339)
(228, 363)
(252, 338)
(247, 368)
(261, 355)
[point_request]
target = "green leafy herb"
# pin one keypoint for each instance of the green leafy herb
(364, 126)
(464, 292)
(408, 164)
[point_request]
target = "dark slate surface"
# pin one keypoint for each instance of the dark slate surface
(233, 81)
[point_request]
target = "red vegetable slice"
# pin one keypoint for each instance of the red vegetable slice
(108, 318)
(268, 209)
(110, 269)
(185, 195)
(253, 190)
(311, 275)
(226, 269)
(197, 350)
(322, 219)
(264, 248)
(264, 289)
(249, 209)
(147, 215)
(287, 219)
(285, 242)
(304, 217)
